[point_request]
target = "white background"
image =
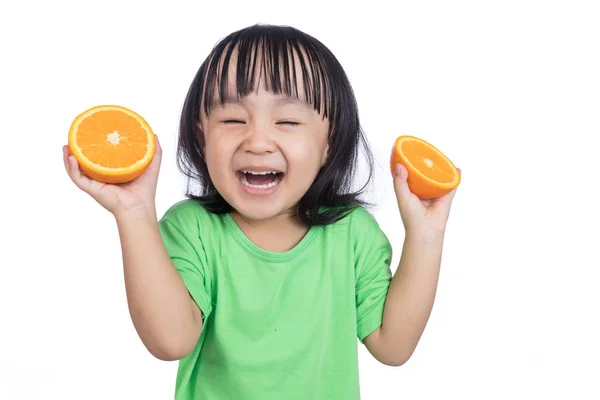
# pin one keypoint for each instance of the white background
(509, 90)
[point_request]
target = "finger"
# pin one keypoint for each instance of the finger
(158, 151)
(79, 179)
(403, 192)
(66, 152)
(444, 203)
(450, 196)
(400, 183)
(156, 160)
(150, 177)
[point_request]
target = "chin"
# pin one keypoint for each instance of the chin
(259, 196)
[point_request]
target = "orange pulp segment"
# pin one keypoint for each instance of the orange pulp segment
(430, 173)
(112, 144)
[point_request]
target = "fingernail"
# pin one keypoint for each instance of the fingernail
(397, 169)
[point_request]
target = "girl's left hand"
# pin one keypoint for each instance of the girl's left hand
(421, 217)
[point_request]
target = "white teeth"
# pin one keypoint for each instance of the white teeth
(259, 172)
(265, 186)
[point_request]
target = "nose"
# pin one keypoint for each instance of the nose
(258, 140)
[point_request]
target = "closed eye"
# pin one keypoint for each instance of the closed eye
(291, 123)
(233, 121)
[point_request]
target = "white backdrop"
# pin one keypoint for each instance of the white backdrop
(509, 90)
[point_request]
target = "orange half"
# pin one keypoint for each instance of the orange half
(430, 173)
(112, 144)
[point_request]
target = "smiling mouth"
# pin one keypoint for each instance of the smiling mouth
(260, 179)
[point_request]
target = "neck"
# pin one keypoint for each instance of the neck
(278, 234)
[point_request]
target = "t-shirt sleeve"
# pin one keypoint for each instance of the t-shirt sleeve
(181, 237)
(373, 274)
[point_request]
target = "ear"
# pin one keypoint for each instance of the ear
(199, 135)
(330, 133)
(325, 155)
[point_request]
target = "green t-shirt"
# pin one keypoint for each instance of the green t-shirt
(277, 325)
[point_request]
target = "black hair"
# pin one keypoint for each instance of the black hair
(326, 88)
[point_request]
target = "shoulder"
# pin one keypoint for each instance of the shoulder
(361, 236)
(188, 214)
(361, 216)
(359, 226)
(359, 220)
(184, 207)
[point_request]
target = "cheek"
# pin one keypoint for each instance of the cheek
(306, 156)
(217, 154)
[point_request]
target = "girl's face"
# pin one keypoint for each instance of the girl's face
(264, 151)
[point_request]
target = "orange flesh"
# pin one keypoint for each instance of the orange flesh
(428, 162)
(96, 132)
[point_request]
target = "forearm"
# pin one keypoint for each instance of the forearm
(164, 315)
(410, 297)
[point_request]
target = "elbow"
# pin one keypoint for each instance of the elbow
(170, 352)
(394, 359)
(171, 347)
(168, 356)
(389, 353)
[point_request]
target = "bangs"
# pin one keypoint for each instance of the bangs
(285, 62)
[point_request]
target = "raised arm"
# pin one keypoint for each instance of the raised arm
(166, 318)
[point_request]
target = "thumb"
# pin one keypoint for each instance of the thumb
(150, 177)
(154, 166)
(400, 183)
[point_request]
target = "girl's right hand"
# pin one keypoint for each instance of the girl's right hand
(118, 199)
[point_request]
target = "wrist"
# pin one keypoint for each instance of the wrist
(424, 236)
(142, 212)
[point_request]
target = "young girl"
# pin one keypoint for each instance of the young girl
(261, 283)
